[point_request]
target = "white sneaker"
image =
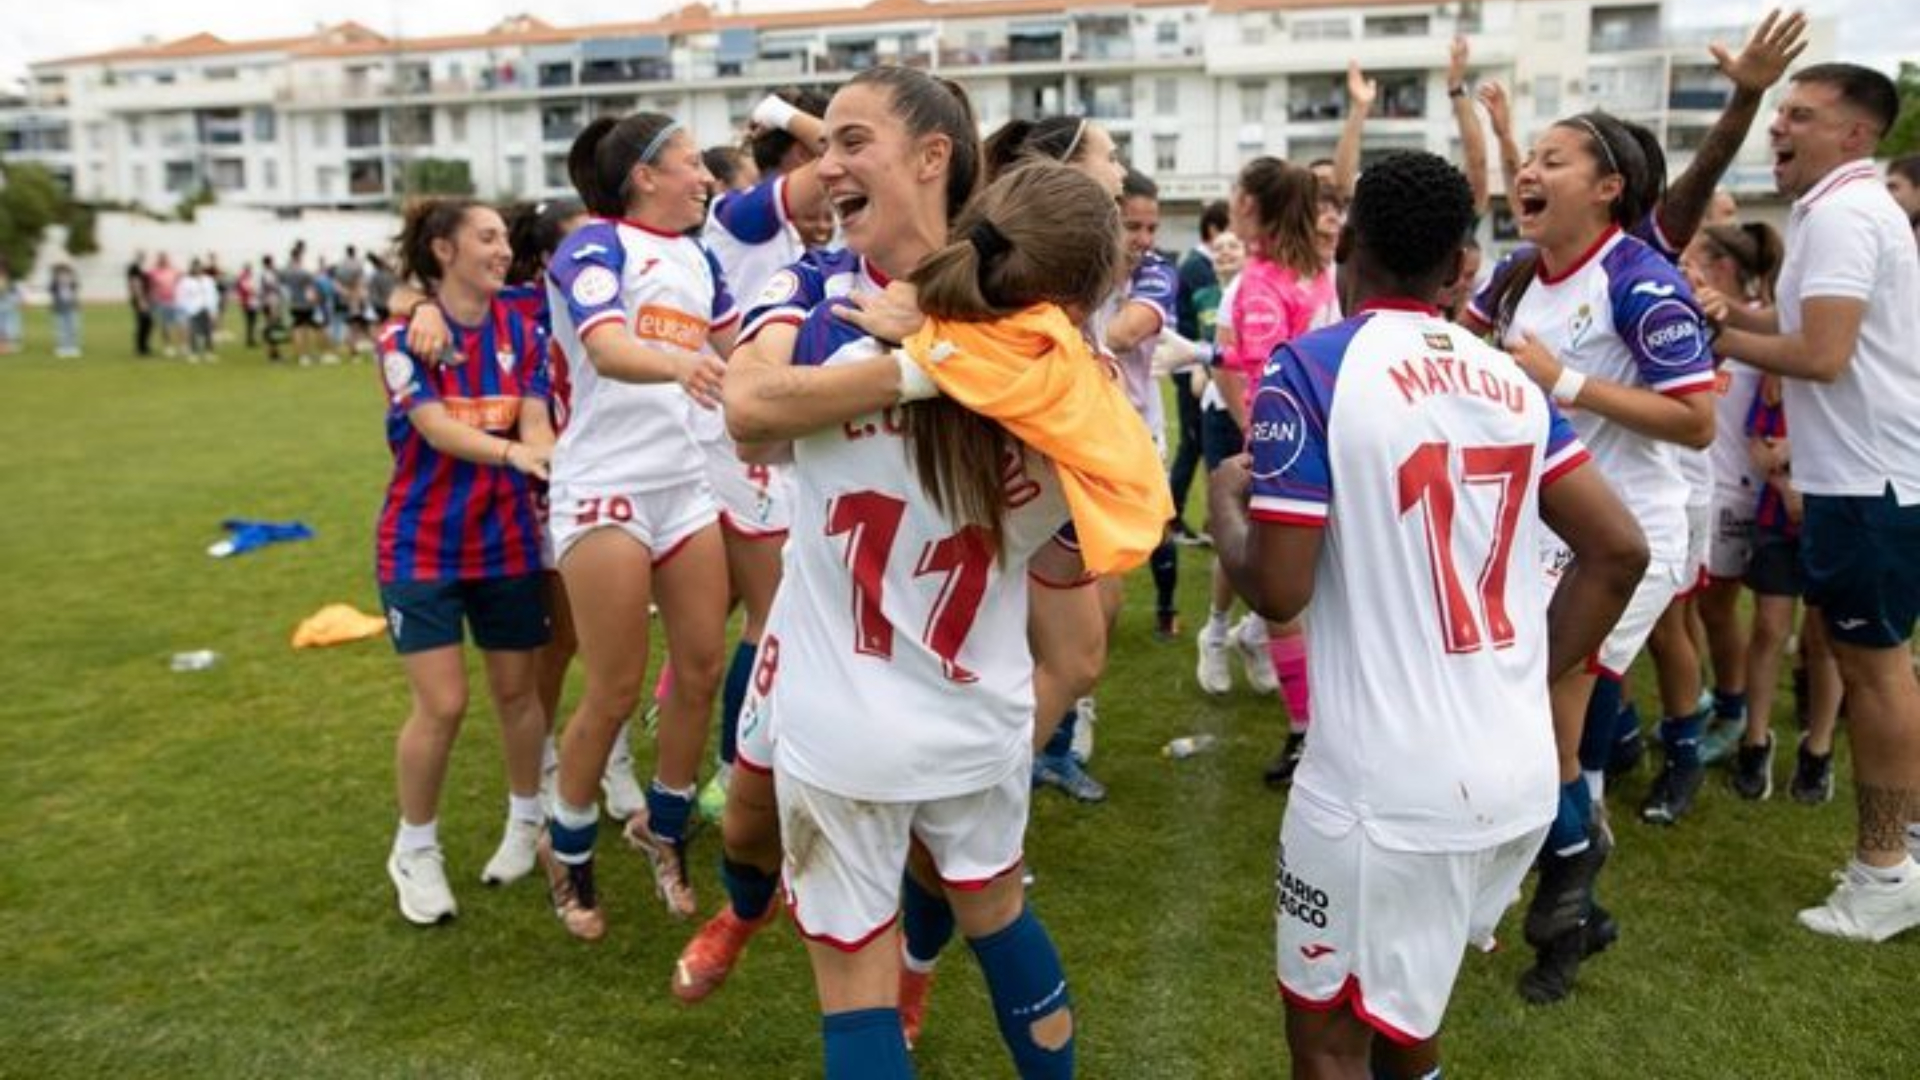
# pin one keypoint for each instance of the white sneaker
(1862, 910)
(513, 859)
(1086, 715)
(623, 793)
(1250, 638)
(420, 877)
(1212, 673)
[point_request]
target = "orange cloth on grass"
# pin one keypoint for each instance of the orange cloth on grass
(1035, 374)
(337, 624)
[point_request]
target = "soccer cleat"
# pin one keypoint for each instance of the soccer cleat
(669, 859)
(1563, 899)
(623, 793)
(1063, 772)
(1279, 772)
(420, 880)
(514, 859)
(1861, 910)
(1672, 793)
(915, 987)
(1250, 638)
(1086, 714)
(1812, 781)
(1723, 738)
(1212, 673)
(709, 958)
(1752, 777)
(570, 889)
(1556, 966)
(1186, 537)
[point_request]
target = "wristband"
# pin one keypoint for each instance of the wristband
(1568, 386)
(774, 112)
(1206, 354)
(915, 383)
(1456, 91)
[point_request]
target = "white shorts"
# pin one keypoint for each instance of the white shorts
(756, 501)
(1663, 582)
(1382, 931)
(662, 521)
(843, 857)
(1699, 544)
(1730, 547)
(753, 738)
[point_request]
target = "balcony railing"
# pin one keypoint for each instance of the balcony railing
(1704, 100)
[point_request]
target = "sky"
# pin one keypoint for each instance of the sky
(1877, 32)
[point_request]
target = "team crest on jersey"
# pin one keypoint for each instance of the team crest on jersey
(1278, 422)
(1438, 341)
(505, 358)
(397, 370)
(781, 288)
(1582, 322)
(595, 286)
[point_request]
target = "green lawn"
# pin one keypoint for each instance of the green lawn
(191, 875)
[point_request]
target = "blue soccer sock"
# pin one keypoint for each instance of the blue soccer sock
(1597, 734)
(866, 1044)
(926, 919)
(749, 889)
(1568, 834)
(1165, 566)
(1061, 744)
(1681, 736)
(733, 694)
(1728, 705)
(668, 811)
(1027, 985)
(573, 831)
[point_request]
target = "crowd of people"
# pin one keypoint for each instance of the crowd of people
(296, 311)
(896, 392)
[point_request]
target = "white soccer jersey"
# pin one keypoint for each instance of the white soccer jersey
(1847, 238)
(1422, 452)
(751, 232)
(667, 292)
(1625, 314)
(1735, 386)
(895, 666)
(1156, 284)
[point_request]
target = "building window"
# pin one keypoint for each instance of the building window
(457, 125)
(1166, 97)
(1123, 147)
(557, 73)
(411, 126)
(180, 177)
(554, 171)
(136, 132)
(1253, 103)
(1393, 26)
(363, 128)
(1166, 33)
(1546, 96)
(1166, 154)
(265, 125)
(270, 174)
(559, 123)
(367, 176)
(1336, 28)
(227, 174)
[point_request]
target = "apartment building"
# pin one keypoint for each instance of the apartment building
(1189, 90)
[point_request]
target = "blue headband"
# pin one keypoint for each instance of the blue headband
(659, 141)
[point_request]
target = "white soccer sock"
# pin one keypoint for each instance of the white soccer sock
(575, 817)
(413, 837)
(1883, 875)
(1596, 783)
(549, 755)
(1216, 623)
(525, 808)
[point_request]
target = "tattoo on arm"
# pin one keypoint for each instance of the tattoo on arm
(1687, 197)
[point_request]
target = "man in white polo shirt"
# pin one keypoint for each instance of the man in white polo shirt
(1847, 336)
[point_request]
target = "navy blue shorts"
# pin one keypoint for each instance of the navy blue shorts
(1220, 437)
(1861, 556)
(506, 614)
(1773, 569)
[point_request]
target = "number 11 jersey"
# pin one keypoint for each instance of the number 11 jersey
(1422, 452)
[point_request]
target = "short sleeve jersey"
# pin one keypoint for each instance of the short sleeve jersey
(668, 293)
(530, 303)
(1154, 284)
(446, 519)
(1422, 453)
(1624, 313)
(1764, 421)
(1735, 387)
(751, 232)
(806, 283)
(1846, 238)
(1271, 305)
(897, 644)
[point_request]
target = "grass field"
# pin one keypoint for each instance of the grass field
(191, 873)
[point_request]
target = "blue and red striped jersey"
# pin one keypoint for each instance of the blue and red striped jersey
(447, 519)
(1766, 421)
(529, 301)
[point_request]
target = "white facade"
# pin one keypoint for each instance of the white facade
(1189, 91)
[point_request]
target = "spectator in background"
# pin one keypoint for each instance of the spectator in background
(140, 301)
(350, 285)
(1903, 183)
(303, 304)
(163, 286)
(380, 284)
(9, 310)
(63, 295)
(197, 298)
(1198, 277)
(732, 168)
(245, 291)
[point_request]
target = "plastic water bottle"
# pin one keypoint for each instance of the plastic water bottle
(1188, 745)
(197, 660)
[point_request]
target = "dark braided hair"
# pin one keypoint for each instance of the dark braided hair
(1412, 212)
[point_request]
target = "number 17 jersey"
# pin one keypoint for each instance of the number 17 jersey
(901, 669)
(1422, 452)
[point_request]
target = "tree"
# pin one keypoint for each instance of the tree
(30, 200)
(437, 176)
(1904, 137)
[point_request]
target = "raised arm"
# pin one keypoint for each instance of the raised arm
(1493, 98)
(1473, 140)
(1361, 92)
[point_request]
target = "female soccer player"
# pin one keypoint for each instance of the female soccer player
(637, 306)
(458, 540)
(1609, 327)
